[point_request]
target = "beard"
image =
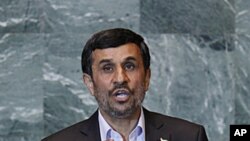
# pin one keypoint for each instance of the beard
(119, 109)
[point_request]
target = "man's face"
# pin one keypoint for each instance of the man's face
(119, 80)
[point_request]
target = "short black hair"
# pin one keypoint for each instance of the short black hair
(112, 38)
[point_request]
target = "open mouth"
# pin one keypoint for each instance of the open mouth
(121, 95)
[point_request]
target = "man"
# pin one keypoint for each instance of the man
(116, 70)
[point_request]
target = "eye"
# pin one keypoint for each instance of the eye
(108, 68)
(129, 66)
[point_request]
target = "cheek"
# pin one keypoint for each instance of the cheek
(102, 84)
(137, 79)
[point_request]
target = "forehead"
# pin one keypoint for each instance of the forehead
(118, 53)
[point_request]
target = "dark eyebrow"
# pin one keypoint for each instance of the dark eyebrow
(130, 58)
(105, 61)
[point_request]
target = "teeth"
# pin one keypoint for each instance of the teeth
(121, 92)
(121, 95)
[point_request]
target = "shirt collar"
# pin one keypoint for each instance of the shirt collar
(105, 127)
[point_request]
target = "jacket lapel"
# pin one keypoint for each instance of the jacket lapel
(90, 129)
(155, 128)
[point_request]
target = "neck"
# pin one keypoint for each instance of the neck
(124, 126)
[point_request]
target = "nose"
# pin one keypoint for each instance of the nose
(121, 76)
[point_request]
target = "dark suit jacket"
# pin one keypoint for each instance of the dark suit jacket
(156, 125)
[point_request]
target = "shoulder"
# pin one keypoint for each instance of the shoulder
(66, 133)
(177, 127)
(75, 132)
(170, 121)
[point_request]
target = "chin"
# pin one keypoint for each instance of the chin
(122, 112)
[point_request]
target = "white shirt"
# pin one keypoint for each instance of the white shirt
(138, 133)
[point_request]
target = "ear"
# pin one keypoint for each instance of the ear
(87, 79)
(147, 78)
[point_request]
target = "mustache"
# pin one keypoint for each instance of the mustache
(122, 85)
